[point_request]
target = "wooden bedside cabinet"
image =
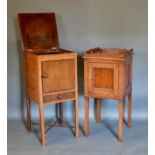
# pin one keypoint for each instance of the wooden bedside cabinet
(108, 74)
(51, 72)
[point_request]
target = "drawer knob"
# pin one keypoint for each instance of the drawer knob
(59, 97)
(44, 76)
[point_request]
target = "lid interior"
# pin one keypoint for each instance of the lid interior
(38, 31)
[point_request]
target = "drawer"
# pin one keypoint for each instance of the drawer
(59, 97)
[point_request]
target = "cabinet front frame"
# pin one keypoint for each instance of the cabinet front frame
(90, 90)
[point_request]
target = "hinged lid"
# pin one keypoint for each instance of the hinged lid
(39, 32)
(108, 53)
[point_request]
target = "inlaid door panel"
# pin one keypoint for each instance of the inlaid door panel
(103, 79)
(58, 75)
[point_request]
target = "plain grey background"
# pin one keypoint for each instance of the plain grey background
(83, 24)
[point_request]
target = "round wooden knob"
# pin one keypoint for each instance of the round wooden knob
(59, 97)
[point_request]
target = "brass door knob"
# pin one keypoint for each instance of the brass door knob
(44, 76)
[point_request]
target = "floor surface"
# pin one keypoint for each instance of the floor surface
(102, 140)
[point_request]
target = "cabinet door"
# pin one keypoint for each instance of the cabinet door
(103, 79)
(58, 75)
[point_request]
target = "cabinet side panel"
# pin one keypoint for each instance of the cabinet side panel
(32, 76)
(85, 77)
(121, 80)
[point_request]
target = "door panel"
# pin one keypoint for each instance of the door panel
(103, 79)
(58, 75)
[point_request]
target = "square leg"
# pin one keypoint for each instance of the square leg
(129, 109)
(59, 112)
(86, 117)
(98, 110)
(76, 119)
(42, 123)
(28, 114)
(121, 128)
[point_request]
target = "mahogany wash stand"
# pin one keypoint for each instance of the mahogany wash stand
(50, 72)
(108, 74)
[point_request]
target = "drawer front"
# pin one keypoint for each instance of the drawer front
(59, 97)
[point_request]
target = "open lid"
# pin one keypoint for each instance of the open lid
(38, 31)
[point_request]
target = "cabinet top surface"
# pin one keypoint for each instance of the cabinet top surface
(48, 51)
(108, 53)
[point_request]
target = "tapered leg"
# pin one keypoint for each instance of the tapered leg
(98, 110)
(42, 123)
(120, 130)
(129, 109)
(59, 112)
(28, 115)
(76, 119)
(86, 117)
